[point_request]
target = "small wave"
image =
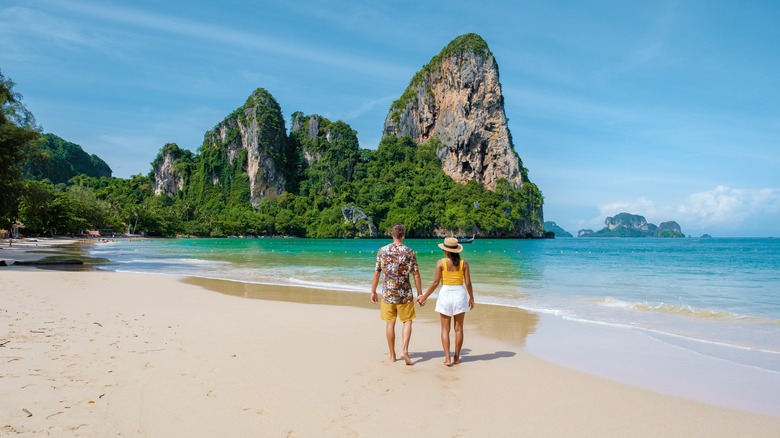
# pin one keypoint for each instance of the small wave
(328, 285)
(685, 310)
(173, 261)
(496, 301)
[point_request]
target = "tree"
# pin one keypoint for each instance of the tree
(17, 131)
(35, 208)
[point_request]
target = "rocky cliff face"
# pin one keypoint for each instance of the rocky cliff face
(166, 180)
(167, 174)
(457, 99)
(309, 128)
(257, 128)
(329, 149)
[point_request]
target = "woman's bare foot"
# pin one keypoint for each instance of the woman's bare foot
(447, 363)
(407, 360)
(456, 360)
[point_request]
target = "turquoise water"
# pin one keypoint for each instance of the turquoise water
(717, 297)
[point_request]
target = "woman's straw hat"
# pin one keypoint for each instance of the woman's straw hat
(451, 244)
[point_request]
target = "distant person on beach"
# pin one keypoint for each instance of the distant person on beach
(456, 296)
(396, 261)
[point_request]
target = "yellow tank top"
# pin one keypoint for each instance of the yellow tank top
(451, 278)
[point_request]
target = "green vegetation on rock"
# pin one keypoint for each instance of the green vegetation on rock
(58, 161)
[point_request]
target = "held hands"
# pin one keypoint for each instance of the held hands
(421, 300)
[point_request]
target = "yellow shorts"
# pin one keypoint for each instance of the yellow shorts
(388, 312)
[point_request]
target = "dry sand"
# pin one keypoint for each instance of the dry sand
(110, 354)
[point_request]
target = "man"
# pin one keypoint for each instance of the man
(397, 261)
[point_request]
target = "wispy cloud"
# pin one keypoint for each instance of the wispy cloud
(21, 25)
(127, 147)
(368, 106)
(20, 20)
(230, 36)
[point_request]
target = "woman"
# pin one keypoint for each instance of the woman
(456, 296)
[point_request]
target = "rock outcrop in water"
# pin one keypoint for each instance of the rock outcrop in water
(457, 98)
(633, 225)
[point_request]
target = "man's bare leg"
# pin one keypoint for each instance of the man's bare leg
(407, 335)
(390, 332)
(458, 335)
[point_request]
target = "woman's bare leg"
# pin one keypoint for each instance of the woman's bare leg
(445, 338)
(458, 335)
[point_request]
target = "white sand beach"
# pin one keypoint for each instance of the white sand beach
(113, 354)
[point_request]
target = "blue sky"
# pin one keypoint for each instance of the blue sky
(668, 109)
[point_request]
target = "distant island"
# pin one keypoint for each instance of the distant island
(633, 225)
(552, 227)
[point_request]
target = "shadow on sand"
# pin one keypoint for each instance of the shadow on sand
(465, 356)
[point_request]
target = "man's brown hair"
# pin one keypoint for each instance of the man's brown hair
(398, 231)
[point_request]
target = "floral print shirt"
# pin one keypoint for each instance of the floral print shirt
(396, 262)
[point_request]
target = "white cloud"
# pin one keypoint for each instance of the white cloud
(725, 206)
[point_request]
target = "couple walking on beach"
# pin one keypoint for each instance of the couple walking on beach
(397, 261)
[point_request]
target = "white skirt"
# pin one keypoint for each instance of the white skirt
(452, 300)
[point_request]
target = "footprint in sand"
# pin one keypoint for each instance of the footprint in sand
(448, 378)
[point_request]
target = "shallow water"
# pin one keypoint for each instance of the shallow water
(715, 297)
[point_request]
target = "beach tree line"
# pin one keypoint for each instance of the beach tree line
(18, 130)
(398, 182)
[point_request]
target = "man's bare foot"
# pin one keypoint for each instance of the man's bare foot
(391, 359)
(407, 360)
(447, 363)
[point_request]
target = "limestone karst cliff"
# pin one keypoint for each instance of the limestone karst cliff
(457, 98)
(328, 150)
(461, 176)
(170, 169)
(254, 134)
